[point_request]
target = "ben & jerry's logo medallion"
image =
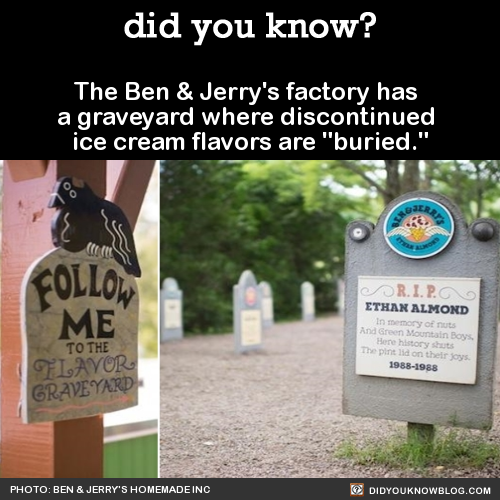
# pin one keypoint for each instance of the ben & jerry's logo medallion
(419, 228)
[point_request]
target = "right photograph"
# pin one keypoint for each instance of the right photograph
(329, 318)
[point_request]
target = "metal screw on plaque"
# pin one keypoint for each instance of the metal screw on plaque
(360, 231)
(483, 230)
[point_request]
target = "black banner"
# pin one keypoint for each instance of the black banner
(308, 80)
(233, 488)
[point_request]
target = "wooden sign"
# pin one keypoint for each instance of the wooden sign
(80, 309)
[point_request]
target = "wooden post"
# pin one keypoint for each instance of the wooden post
(131, 185)
(69, 449)
(22, 170)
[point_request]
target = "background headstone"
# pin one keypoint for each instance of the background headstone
(247, 310)
(172, 325)
(267, 304)
(421, 315)
(308, 302)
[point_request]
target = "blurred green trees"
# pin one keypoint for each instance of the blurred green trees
(146, 239)
(285, 220)
(277, 218)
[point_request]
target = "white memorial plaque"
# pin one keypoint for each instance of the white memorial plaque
(418, 328)
(173, 314)
(251, 328)
(309, 308)
(267, 308)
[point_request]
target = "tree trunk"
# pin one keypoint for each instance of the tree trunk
(411, 176)
(430, 165)
(479, 189)
(393, 189)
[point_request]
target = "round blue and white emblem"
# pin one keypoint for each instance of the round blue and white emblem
(419, 228)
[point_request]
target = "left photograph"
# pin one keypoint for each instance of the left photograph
(79, 319)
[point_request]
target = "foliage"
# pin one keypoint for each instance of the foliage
(147, 249)
(146, 238)
(285, 220)
(197, 240)
(292, 229)
(451, 448)
(274, 217)
(471, 184)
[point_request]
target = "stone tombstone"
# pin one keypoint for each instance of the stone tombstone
(421, 315)
(341, 296)
(172, 327)
(247, 311)
(79, 312)
(267, 304)
(308, 302)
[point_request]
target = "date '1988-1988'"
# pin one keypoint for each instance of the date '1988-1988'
(410, 366)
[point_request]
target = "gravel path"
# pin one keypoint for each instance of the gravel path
(275, 413)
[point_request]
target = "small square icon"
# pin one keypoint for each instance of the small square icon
(357, 490)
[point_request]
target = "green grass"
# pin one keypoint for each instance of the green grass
(451, 448)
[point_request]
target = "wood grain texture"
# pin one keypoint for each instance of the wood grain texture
(22, 170)
(62, 449)
(131, 186)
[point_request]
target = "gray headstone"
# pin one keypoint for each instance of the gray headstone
(267, 304)
(172, 325)
(308, 302)
(421, 315)
(341, 296)
(247, 307)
